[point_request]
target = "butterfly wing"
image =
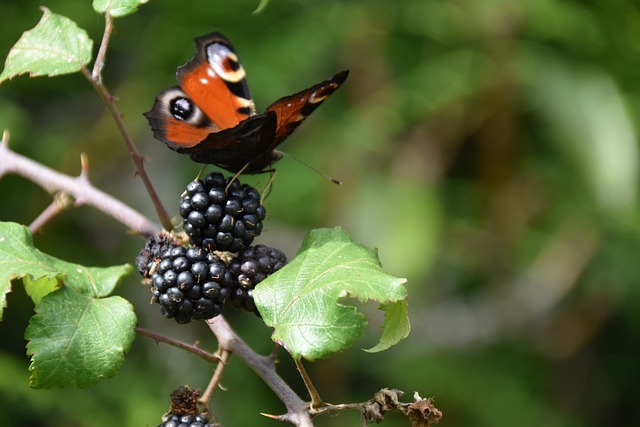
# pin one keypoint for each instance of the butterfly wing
(292, 110)
(252, 143)
(241, 147)
(212, 117)
(213, 96)
(216, 82)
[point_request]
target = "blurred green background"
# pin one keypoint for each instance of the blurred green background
(488, 148)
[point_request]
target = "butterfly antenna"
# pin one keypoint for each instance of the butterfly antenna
(330, 178)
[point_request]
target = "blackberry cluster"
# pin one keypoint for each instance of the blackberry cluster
(221, 214)
(177, 420)
(190, 284)
(250, 267)
(193, 283)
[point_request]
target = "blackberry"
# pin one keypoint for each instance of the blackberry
(155, 246)
(190, 284)
(179, 420)
(219, 218)
(250, 267)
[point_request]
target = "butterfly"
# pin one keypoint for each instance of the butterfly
(212, 117)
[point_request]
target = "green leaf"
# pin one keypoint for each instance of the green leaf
(18, 258)
(42, 273)
(36, 289)
(117, 8)
(395, 326)
(79, 335)
(78, 340)
(306, 301)
(56, 45)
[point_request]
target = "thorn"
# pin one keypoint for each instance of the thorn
(84, 164)
(273, 417)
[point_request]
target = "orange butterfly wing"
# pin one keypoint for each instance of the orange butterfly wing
(254, 140)
(213, 96)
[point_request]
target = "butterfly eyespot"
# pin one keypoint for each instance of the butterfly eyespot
(181, 109)
(225, 63)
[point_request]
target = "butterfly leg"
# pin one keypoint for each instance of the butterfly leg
(268, 187)
(184, 193)
(226, 190)
(201, 172)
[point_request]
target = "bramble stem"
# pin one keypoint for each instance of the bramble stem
(209, 357)
(82, 191)
(297, 409)
(138, 159)
(215, 379)
(61, 201)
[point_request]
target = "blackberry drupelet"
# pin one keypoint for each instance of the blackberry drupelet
(177, 420)
(190, 284)
(250, 267)
(217, 218)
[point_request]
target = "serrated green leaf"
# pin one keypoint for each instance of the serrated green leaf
(18, 258)
(395, 326)
(44, 273)
(95, 282)
(78, 340)
(117, 8)
(306, 301)
(36, 289)
(56, 45)
(77, 336)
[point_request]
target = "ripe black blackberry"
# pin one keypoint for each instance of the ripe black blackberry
(190, 284)
(177, 420)
(217, 218)
(250, 267)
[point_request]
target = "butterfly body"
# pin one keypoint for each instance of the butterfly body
(211, 116)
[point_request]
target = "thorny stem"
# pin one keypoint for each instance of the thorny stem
(82, 191)
(61, 201)
(209, 357)
(138, 159)
(215, 379)
(264, 367)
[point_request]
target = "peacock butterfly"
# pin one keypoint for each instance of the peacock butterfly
(212, 118)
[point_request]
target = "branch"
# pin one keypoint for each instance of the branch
(138, 159)
(61, 201)
(98, 65)
(209, 357)
(264, 367)
(215, 379)
(82, 191)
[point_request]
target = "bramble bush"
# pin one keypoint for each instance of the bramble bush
(82, 330)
